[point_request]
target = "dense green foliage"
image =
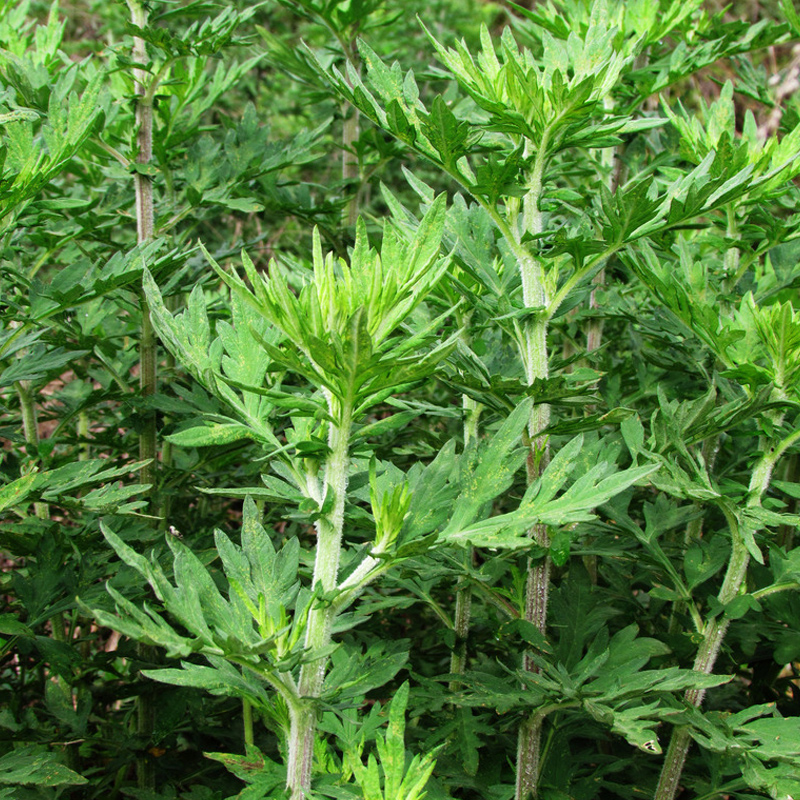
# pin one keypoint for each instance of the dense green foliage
(399, 400)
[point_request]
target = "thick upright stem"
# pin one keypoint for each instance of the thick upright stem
(535, 361)
(704, 662)
(529, 748)
(148, 447)
(145, 228)
(716, 628)
(303, 713)
(144, 130)
(537, 593)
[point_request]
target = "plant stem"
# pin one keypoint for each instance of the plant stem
(148, 446)
(611, 161)
(704, 662)
(167, 456)
(775, 588)
(303, 713)
(350, 134)
(148, 441)
(463, 610)
(461, 624)
(785, 538)
(732, 254)
(717, 627)
(247, 720)
(145, 227)
(30, 429)
(694, 528)
(535, 362)
(84, 448)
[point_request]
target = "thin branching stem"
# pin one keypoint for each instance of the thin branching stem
(247, 722)
(463, 610)
(58, 626)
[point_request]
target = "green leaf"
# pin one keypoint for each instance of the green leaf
(17, 490)
(486, 472)
(792, 16)
(80, 474)
(703, 560)
(559, 548)
(355, 673)
(210, 435)
(242, 204)
(450, 138)
(433, 493)
(392, 423)
(400, 782)
(222, 678)
(19, 115)
(633, 434)
(11, 626)
(264, 776)
(792, 489)
(148, 170)
(740, 605)
(37, 364)
(32, 765)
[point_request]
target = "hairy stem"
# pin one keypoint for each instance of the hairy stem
(529, 747)
(148, 446)
(303, 712)
(535, 362)
(704, 662)
(145, 231)
(716, 628)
